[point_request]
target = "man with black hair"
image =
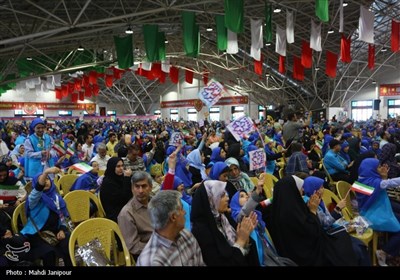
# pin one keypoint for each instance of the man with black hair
(291, 128)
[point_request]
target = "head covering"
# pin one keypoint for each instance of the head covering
(216, 155)
(111, 165)
(217, 169)
(215, 191)
(236, 208)
(34, 123)
(49, 198)
(8, 181)
(299, 182)
(170, 150)
(15, 151)
(311, 185)
(231, 161)
(368, 175)
(156, 170)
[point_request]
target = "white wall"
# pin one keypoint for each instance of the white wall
(388, 76)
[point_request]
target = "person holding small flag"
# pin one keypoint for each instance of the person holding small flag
(374, 204)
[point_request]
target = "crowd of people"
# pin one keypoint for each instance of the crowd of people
(196, 202)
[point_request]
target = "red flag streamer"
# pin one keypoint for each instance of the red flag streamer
(258, 66)
(189, 76)
(58, 93)
(205, 76)
(95, 90)
(395, 37)
(174, 74)
(331, 63)
(371, 56)
(93, 77)
(64, 90)
(306, 54)
(298, 69)
(74, 97)
(345, 49)
(82, 95)
(282, 68)
(109, 80)
(77, 84)
(88, 91)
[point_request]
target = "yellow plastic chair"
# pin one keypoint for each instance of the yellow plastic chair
(28, 187)
(281, 172)
(342, 189)
(331, 182)
(73, 171)
(269, 184)
(65, 183)
(101, 173)
(329, 197)
(101, 208)
(18, 218)
(105, 230)
(78, 205)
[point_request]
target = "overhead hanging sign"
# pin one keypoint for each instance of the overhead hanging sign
(229, 100)
(389, 89)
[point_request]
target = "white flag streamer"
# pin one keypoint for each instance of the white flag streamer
(256, 39)
(241, 127)
(165, 65)
(366, 25)
(257, 159)
(315, 39)
(289, 27)
(280, 46)
(146, 65)
(211, 93)
(232, 46)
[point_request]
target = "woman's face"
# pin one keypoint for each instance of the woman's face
(222, 153)
(226, 146)
(21, 149)
(158, 178)
(223, 204)
(346, 150)
(243, 197)
(180, 188)
(223, 177)
(95, 166)
(3, 176)
(234, 171)
(119, 168)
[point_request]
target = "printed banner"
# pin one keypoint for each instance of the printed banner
(211, 93)
(176, 139)
(241, 127)
(257, 159)
(389, 89)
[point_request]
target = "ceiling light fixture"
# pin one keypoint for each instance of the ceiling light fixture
(209, 29)
(373, 82)
(277, 10)
(316, 68)
(267, 44)
(129, 30)
(345, 4)
(330, 31)
(166, 42)
(357, 80)
(383, 49)
(80, 48)
(29, 58)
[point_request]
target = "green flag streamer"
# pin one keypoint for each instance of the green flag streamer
(234, 12)
(124, 48)
(191, 35)
(322, 10)
(222, 40)
(268, 22)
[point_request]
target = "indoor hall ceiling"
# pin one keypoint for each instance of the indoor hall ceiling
(43, 28)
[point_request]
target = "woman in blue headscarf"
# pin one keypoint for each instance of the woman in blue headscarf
(218, 154)
(220, 171)
(377, 207)
(46, 211)
(344, 152)
(196, 166)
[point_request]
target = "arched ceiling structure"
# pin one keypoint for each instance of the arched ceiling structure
(43, 28)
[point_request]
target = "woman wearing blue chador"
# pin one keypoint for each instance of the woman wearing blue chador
(37, 149)
(377, 207)
(242, 205)
(46, 211)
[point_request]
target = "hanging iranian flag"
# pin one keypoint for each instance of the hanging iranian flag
(82, 167)
(59, 149)
(361, 188)
(319, 144)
